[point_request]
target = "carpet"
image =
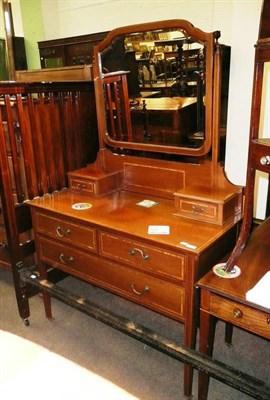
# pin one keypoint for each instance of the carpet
(75, 357)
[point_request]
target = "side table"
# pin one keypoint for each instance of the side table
(225, 298)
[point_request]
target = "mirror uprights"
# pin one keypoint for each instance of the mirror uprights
(160, 89)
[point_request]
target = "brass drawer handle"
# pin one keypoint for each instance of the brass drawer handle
(65, 260)
(62, 232)
(197, 210)
(237, 313)
(145, 290)
(133, 251)
(81, 186)
(265, 160)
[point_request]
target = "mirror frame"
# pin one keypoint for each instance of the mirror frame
(211, 88)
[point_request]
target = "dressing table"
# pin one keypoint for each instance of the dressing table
(149, 216)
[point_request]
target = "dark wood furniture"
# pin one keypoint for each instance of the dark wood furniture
(166, 119)
(46, 130)
(76, 50)
(20, 61)
(60, 74)
(108, 227)
(3, 61)
(226, 298)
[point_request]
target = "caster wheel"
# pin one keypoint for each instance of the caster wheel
(26, 322)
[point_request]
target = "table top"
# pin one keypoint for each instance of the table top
(121, 212)
(254, 263)
(163, 103)
(166, 103)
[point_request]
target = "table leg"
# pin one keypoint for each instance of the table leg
(190, 329)
(207, 333)
(46, 297)
(228, 333)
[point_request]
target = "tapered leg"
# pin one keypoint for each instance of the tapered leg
(207, 333)
(228, 333)
(21, 295)
(46, 297)
(191, 325)
(188, 379)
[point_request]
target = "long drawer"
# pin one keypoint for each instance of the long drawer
(77, 235)
(245, 317)
(156, 294)
(144, 256)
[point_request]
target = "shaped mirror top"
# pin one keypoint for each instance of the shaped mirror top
(154, 85)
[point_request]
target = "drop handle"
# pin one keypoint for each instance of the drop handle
(265, 160)
(237, 313)
(81, 186)
(145, 290)
(65, 259)
(197, 210)
(62, 232)
(136, 249)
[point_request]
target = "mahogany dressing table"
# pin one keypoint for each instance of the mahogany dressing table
(147, 218)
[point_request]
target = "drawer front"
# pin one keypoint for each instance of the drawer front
(199, 210)
(238, 314)
(168, 299)
(82, 186)
(84, 237)
(261, 157)
(146, 257)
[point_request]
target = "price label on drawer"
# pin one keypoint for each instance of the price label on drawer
(158, 230)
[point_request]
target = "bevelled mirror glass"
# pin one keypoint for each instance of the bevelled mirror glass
(155, 88)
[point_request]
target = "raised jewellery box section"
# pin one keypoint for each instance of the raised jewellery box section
(209, 204)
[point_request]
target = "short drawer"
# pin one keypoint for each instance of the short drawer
(243, 316)
(199, 210)
(163, 297)
(156, 260)
(261, 155)
(82, 186)
(209, 204)
(95, 183)
(78, 235)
